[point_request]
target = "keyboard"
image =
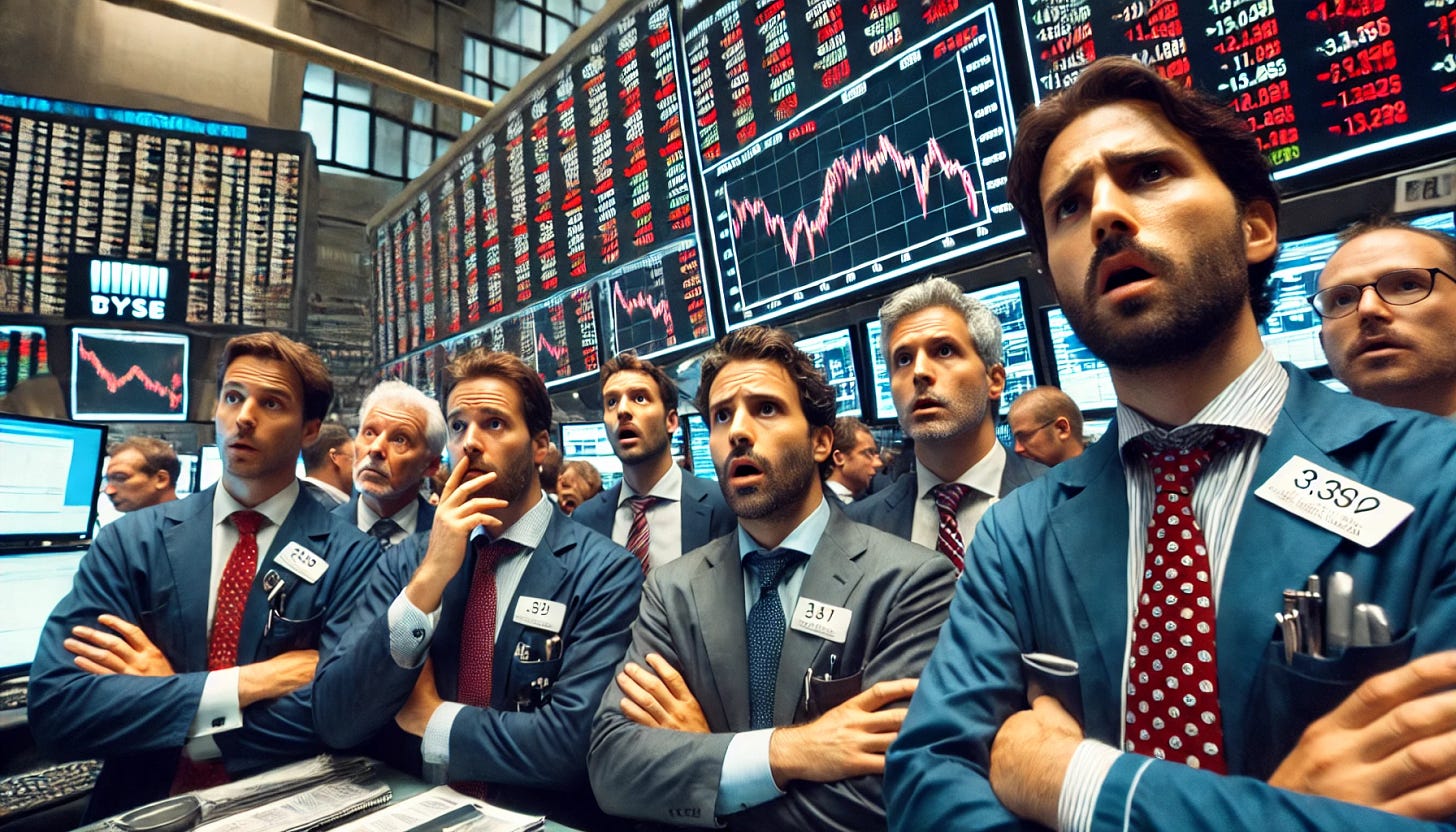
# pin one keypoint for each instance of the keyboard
(12, 695)
(21, 794)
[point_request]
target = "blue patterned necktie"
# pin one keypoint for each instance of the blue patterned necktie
(766, 632)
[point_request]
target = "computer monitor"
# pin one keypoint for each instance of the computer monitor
(1009, 305)
(833, 354)
(48, 481)
(31, 584)
(884, 401)
(187, 474)
(119, 375)
(1080, 374)
(588, 441)
(698, 447)
(209, 466)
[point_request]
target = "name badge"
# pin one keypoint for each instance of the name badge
(301, 561)
(539, 613)
(817, 618)
(1335, 502)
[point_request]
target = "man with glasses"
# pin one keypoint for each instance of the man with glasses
(1388, 300)
(854, 461)
(1047, 426)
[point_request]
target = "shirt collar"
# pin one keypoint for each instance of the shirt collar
(407, 517)
(667, 487)
(274, 508)
(527, 531)
(804, 538)
(984, 477)
(327, 488)
(1251, 403)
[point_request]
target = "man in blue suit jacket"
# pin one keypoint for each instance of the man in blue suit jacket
(401, 436)
(1160, 245)
(421, 643)
(944, 354)
(639, 407)
(122, 671)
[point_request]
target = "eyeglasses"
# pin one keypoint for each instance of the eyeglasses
(1401, 287)
(1023, 435)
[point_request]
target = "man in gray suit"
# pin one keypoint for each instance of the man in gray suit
(658, 511)
(755, 690)
(946, 376)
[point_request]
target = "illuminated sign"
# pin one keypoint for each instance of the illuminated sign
(126, 290)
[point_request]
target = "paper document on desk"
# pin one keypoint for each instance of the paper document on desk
(443, 809)
(309, 809)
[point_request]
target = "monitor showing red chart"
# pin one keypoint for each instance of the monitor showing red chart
(118, 375)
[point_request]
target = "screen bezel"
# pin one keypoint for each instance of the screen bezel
(176, 338)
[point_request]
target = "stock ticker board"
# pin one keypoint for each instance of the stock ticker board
(843, 144)
(1320, 83)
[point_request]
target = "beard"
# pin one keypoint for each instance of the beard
(783, 485)
(1211, 291)
(651, 443)
(966, 408)
(511, 480)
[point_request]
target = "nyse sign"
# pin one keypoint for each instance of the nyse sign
(126, 290)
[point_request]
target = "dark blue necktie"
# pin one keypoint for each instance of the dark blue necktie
(766, 632)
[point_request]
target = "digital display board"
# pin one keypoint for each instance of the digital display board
(884, 407)
(844, 144)
(569, 212)
(1319, 82)
(1006, 300)
(128, 376)
(587, 441)
(1080, 374)
(23, 353)
(223, 199)
(698, 447)
(833, 354)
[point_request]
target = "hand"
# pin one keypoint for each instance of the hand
(849, 740)
(422, 702)
(662, 700)
(279, 676)
(1030, 757)
(131, 653)
(1390, 745)
(456, 516)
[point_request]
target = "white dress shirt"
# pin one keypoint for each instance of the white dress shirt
(664, 519)
(841, 491)
(407, 518)
(984, 478)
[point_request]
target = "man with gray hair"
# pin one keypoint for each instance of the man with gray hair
(401, 436)
(946, 376)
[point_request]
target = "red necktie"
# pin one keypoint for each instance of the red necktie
(222, 646)
(477, 639)
(948, 497)
(1172, 674)
(639, 538)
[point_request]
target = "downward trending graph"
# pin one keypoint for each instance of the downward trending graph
(845, 171)
(129, 375)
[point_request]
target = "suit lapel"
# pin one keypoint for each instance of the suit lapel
(718, 595)
(696, 515)
(187, 540)
(1090, 530)
(830, 576)
(307, 525)
(542, 579)
(898, 516)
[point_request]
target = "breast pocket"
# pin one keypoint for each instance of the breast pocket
(535, 666)
(1299, 692)
(282, 634)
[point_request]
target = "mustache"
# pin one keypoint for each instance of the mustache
(1117, 244)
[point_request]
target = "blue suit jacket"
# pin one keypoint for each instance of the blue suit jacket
(152, 568)
(519, 752)
(350, 513)
(893, 509)
(1047, 572)
(705, 516)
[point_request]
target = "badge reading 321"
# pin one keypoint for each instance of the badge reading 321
(1335, 502)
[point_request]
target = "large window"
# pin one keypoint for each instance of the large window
(524, 34)
(360, 129)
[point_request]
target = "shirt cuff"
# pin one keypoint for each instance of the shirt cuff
(747, 780)
(217, 711)
(410, 631)
(1078, 801)
(435, 746)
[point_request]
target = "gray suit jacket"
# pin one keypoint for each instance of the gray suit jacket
(692, 614)
(894, 508)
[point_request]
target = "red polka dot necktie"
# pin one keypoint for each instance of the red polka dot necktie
(232, 591)
(477, 638)
(1172, 673)
(948, 499)
(639, 537)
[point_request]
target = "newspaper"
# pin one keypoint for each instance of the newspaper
(308, 809)
(443, 809)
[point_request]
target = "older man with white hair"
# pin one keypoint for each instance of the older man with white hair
(400, 439)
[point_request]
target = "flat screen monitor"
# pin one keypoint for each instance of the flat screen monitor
(884, 400)
(698, 448)
(1337, 82)
(588, 441)
(1009, 304)
(1093, 429)
(209, 466)
(31, 584)
(187, 475)
(48, 481)
(23, 353)
(833, 354)
(844, 145)
(1080, 374)
(119, 375)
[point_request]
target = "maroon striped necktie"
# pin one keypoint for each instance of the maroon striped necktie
(948, 499)
(639, 538)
